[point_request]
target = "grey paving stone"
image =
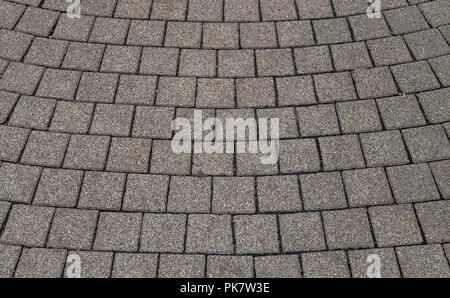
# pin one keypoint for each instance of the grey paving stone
(441, 68)
(146, 33)
(18, 182)
(297, 90)
(317, 120)
(112, 119)
(278, 10)
(46, 52)
(330, 31)
(359, 264)
(21, 78)
(274, 62)
(175, 91)
(153, 122)
(7, 102)
(277, 267)
(400, 112)
(92, 7)
(197, 63)
(208, 233)
(367, 187)
(94, 264)
(134, 89)
(236, 63)
(189, 194)
(436, 105)
(163, 233)
(61, 84)
(347, 229)
(258, 35)
(341, 152)
(436, 12)
(425, 261)
(169, 10)
(427, 143)
(27, 225)
(128, 265)
(241, 10)
(384, 148)
(146, 193)
(118, 231)
(45, 148)
(346, 7)
(405, 20)
(441, 175)
(87, 152)
(250, 163)
(121, 59)
(322, 191)
(110, 31)
(358, 116)
(233, 195)
(229, 267)
(256, 234)
(58, 188)
(72, 228)
(313, 59)
(295, 33)
(375, 82)
(41, 263)
(389, 50)
(9, 256)
(213, 164)
(334, 87)
(278, 194)
(165, 161)
(183, 35)
(72, 117)
(181, 266)
(37, 21)
(328, 264)
(299, 156)
(287, 122)
(10, 13)
(215, 93)
(84, 56)
(129, 155)
(415, 77)
(302, 232)
(73, 29)
(255, 92)
(4, 209)
(139, 9)
(434, 220)
(395, 225)
(365, 28)
(12, 141)
(102, 190)
(220, 36)
(224, 114)
(205, 10)
(314, 9)
(349, 56)
(427, 44)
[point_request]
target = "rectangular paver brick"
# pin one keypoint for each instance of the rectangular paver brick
(328, 264)
(12, 142)
(277, 267)
(181, 266)
(278, 194)
(110, 119)
(87, 152)
(41, 263)
(400, 112)
(72, 117)
(9, 256)
(322, 191)
(427, 143)
(434, 220)
(146, 193)
(233, 195)
(129, 155)
(94, 264)
(341, 152)
(165, 161)
(134, 89)
(18, 182)
(21, 78)
(441, 172)
(45, 149)
(230, 267)
(359, 264)
(163, 232)
(256, 234)
(425, 261)
(128, 265)
(189, 194)
(384, 148)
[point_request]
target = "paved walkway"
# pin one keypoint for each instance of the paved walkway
(86, 107)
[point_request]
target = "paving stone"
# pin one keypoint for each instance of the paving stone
(174, 91)
(322, 191)
(7, 102)
(110, 31)
(241, 10)
(276, 62)
(255, 92)
(135, 89)
(375, 82)
(12, 141)
(436, 12)
(341, 152)
(302, 232)
(395, 225)
(295, 33)
(236, 63)
(21, 78)
(94, 264)
(58, 188)
(84, 56)
(207, 233)
(129, 155)
(4, 209)
(246, 114)
(18, 182)
(72, 117)
(165, 161)
(299, 156)
(10, 13)
(427, 143)
(441, 175)
(46, 52)
(389, 50)
(297, 90)
(139, 9)
(163, 233)
(364, 28)
(347, 229)
(434, 220)
(102, 190)
(427, 44)
(146, 33)
(330, 31)
(220, 36)
(313, 60)
(72, 228)
(61, 84)
(153, 122)
(146, 193)
(213, 164)
(358, 116)
(278, 10)
(277, 267)
(41, 263)
(441, 68)
(92, 7)
(9, 256)
(349, 56)
(87, 152)
(233, 195)
(159, 61)
(198, 63)
(112, 119)
(384, 148)
(405, 20)
(37, 21)
(425, 261)
(327, 264)
(183, 35)
(278, 194)
(121, 59)
(73, 29)
(249, 163)
(367, 187)
(128, 265)
(258, 35)
(27, 225)
(415, 77)
(334, 87)
(230, 267)
(181, 266)
(189, 194)
(314, 9)
(169, 10)
(256, 234)
(205, 10)
(400, 112)
(218, 93)
(360, 265)
(317, 120)
(287, 122)
(118, 231)
(3, 65)
(346, 7)
(45, 149)
(436, 105)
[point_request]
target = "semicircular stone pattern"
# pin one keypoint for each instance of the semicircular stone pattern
(87, 167)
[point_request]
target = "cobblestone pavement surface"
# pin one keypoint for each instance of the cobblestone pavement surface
(85, 125)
